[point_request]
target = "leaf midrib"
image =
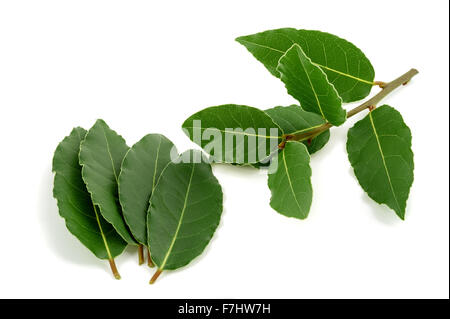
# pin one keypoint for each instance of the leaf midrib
(317, 64)
(156, 164)
(307, 129)
(230, 132)
(163, 264)
(290, 183)
(310, 83)
(110, 156)
(342, 73)
(383, 159)
(102, 233)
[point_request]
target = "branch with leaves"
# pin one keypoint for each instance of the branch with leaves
(370, 104)
(170, 204)
(322, 72)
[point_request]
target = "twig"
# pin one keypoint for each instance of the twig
(386, 89)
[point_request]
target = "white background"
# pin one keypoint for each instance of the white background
(144, 66)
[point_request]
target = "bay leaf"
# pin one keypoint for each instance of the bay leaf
(138, 177)
(290, 181)
(234, 133)
(308, 84)
(185, 210)
(294, 120)
(379, 150)
(101, 155)
(75, 204)
(346, 66)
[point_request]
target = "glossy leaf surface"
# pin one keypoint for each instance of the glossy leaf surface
(101, 156)
(184, 212)
(75, 204)
(379, 149)
(308, 84)
(240, 134)
(346, 66)
(290, 181)
(139, 175)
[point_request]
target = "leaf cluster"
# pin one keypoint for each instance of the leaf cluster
(111, 196)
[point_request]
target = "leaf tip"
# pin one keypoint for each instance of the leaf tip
(401, 215)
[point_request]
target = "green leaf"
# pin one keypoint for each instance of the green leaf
(101, 156)
(234, 133)
(139, 174)
(185, 210)
(290, 181)
(293, 119)
(379, 149)
(75, 204)
(309, 85)
(346, 66)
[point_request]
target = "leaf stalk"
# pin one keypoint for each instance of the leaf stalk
(114, 270)
(141, 254)
(155, 276)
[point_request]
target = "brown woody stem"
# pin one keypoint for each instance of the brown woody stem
(141, 254)
(373, 101)
(155, 276)
(112, 264)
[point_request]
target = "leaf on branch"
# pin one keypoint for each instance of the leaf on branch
(379, 150)
(138, 177)
(294, 120)
(101, 156)
(185, 210)
(75, 204)
(234, 133)
(308, 84)
(346, 66)
(290, 181)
